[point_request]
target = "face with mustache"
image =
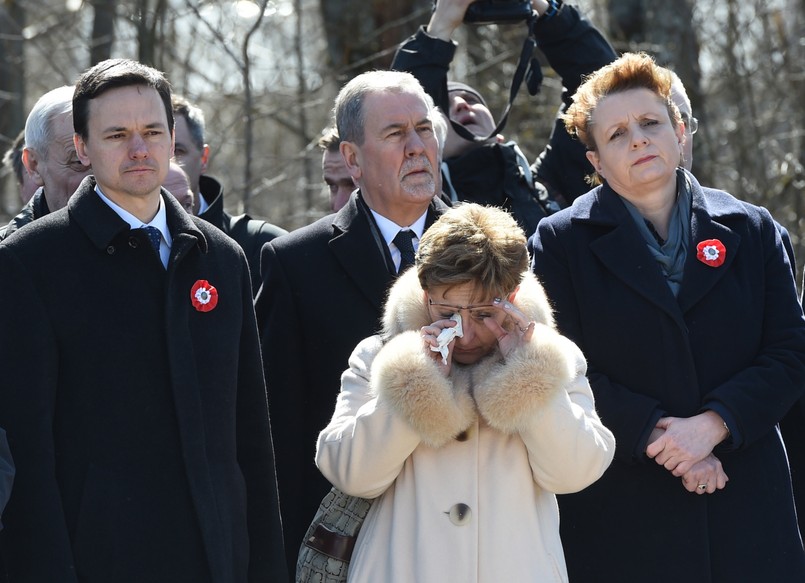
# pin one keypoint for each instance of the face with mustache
(129, 145)
(397, 165)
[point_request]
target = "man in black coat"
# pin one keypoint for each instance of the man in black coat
(192, 153)
(324, 285)
(133, 394)
(496, 172)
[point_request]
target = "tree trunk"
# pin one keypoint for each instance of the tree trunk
(12, 90)
(304, 131)
(150, 23)
(103, 31)
(12, 68)
(363, 35)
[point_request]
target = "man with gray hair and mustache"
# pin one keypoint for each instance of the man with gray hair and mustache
(324, 284)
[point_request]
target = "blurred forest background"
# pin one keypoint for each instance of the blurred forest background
(265, 72)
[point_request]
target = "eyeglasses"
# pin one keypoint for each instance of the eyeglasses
(691, 123)
(477, 311)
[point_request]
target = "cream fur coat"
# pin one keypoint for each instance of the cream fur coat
(465, 467)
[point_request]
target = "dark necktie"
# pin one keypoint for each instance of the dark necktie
(154, 236)
(403, 241)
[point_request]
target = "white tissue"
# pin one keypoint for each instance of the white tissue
(446, 336)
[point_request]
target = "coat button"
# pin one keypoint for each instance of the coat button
(133, 242)
(460, 514)
(110, 249)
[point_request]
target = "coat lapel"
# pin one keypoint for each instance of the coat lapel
(98, 221)
(359, 252)
(699, 278)
(186, 235)
(623, 252)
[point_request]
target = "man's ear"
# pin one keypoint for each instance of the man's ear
(205, 158)
(351, 156)
(31, 163)
(81, 150)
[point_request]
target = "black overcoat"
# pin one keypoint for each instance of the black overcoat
(323, 292)
(733, 341)
(138, 424)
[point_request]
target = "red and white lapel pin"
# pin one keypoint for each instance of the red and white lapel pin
(203, 295)
(711, 252)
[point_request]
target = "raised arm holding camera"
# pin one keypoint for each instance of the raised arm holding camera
(495, 171)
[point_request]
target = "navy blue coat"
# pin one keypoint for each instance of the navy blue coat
(139, 425)
(733, 341)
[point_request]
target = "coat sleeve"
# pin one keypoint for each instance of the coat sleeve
(760, 394)
(393, 398)
(428, 59)
(574, 48)
(36, 539)
(349, 451)
(541, 392)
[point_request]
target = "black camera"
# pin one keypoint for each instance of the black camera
(498, 11)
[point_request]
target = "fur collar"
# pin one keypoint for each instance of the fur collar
(509, 394)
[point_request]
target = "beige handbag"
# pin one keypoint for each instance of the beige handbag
(327, 549)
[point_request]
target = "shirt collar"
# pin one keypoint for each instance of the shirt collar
(389, 229)
(160, 221)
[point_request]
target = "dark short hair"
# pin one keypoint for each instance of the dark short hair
(113, 74)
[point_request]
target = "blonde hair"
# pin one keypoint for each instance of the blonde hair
(630, 71)
(473, 243)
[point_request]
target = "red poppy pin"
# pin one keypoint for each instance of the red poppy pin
(203, 295)
(711, 252)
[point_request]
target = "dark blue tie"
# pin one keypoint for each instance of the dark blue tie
(154, 236)
(403, 240)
